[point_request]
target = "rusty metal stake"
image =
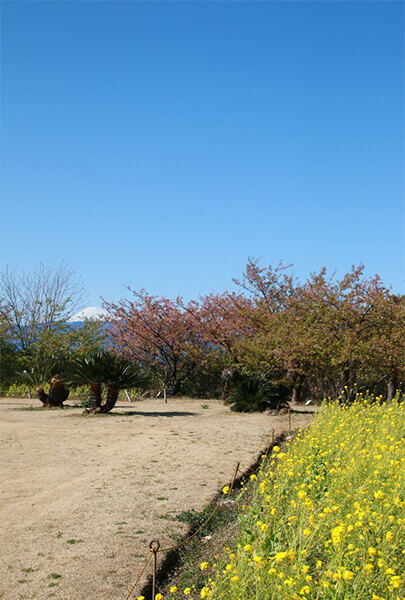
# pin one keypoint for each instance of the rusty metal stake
(289, 420)
(154, 546)
(273, 437)
(234, 475)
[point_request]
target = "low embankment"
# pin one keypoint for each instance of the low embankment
(323, 518)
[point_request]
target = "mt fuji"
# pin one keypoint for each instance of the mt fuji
(93, 313)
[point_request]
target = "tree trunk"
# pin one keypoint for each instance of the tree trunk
(298, 381)
(58, 393)
(296, 394)
(346, 377)
(41, 395)
(112, 397)
(172, 386)
(95, 396)
(391, 387)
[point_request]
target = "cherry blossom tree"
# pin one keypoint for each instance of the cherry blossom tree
(159, 334)
(221, 320)
(326, 332)
(318, 336)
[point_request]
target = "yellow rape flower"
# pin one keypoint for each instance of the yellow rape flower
(305, 590)
(337, 534)
(395, 581)
(280, 556)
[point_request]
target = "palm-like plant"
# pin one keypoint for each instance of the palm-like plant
(39, 374)
(251, 393)
(106, 369)
(36, 377)
(89, 371)
(121, 374)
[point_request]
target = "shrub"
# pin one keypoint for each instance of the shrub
(18, 390)
(104, 369)
(250, 393)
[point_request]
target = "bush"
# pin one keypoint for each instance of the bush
(254, 393)
(18, 390)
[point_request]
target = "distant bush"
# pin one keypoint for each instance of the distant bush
(17, 390)
(254, 393)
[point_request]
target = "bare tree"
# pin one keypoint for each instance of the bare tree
(43, 298)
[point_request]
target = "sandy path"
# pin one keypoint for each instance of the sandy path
(82, 496)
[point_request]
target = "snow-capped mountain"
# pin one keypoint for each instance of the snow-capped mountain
(93, 313)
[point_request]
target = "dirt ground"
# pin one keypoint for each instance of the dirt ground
(81, 497)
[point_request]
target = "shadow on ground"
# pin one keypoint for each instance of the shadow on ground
(143, 413)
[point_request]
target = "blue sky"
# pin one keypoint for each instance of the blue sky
(161, 144)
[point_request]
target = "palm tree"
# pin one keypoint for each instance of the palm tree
(89, 371)
(107, 369)
(121, 374)
(252, 393)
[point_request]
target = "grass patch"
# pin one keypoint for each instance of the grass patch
(74, 541)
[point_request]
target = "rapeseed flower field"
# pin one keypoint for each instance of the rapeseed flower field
(325, 519)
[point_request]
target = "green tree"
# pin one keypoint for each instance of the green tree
(34, 322)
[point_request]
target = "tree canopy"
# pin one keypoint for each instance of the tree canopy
(317, 335)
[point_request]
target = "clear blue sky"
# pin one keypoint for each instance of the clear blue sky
(161, 144)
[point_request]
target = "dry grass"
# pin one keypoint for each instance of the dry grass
(82, 496)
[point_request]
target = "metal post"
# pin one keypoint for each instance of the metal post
(234, 475)
(154, 546)
(289, 420)
(273, 437)
(165, 396)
